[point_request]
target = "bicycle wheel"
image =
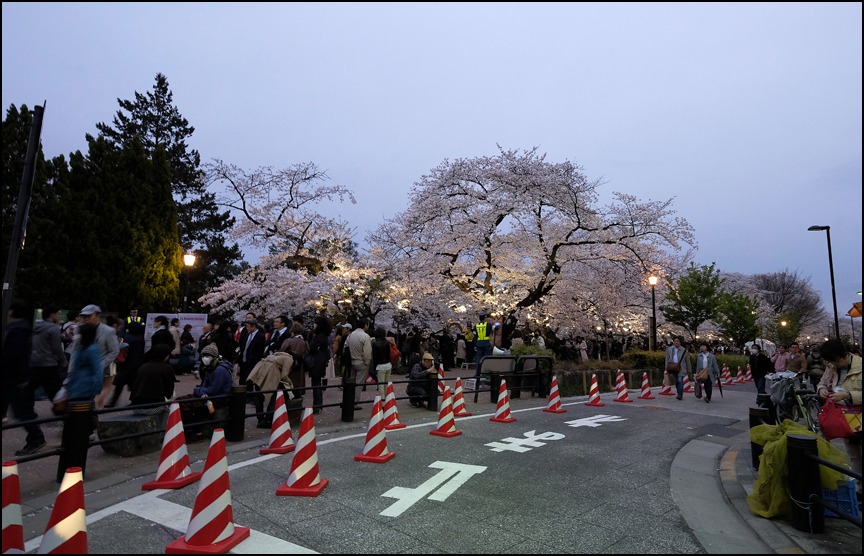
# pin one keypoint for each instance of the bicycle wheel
(811, 405)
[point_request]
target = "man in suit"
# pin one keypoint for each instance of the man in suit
(676, 353)
(252, 346)
(279, 334)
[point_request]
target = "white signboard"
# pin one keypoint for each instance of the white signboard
(197, 320)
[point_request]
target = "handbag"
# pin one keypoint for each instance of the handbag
(673, 368)
(838, 421)
(702, 376)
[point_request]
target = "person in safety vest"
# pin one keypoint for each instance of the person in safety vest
(133, 317)
(482, 345)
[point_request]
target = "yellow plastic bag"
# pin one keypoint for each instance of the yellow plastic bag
(770, 495)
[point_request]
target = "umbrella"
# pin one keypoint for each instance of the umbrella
(855, 311)
(719, 385)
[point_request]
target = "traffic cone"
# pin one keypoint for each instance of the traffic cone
(459, 409)
(66, 531)
(727, 377)
(174, 470)
(502, 412)
(748, 377)
(375, 450)
(666, 390)
(280, 431)
(554, 405)
(305, 479)
(446, 422)
(13, 527)
(594, 394)
(646, 388)
(621, 388)
(739, 379)
(211, 528)
(687, 386)
(441, 379)
(391, 413)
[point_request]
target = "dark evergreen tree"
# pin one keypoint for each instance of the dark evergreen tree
(153, 120)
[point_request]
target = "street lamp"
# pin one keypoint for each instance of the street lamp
(827, 230)
(189, 261)
(652, 345)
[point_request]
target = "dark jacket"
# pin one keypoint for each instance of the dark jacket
(154, 383)
(162, 336)
(760, 365)
(47, 348)
(319, 351)
(217, 382)
(16, 352)
(380, 351)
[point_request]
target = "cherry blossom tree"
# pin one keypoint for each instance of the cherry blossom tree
(508, 230)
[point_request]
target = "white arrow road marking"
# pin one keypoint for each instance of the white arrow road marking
(407, 497)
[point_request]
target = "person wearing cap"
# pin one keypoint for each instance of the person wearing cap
(482, 345)
(106, 340)
(418, 378)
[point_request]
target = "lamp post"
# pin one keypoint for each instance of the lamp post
(652, 341)
(827, 230)
(189, 261)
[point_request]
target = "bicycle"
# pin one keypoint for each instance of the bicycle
(796, 403)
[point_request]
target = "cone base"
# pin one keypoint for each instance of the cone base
(597, 403)
(463, 414)
(628, 400)
(375, 459)
(176, 483)
(282, 450)
(547, 410)
(180, 546)
(667, 393)
(395, 427)
(502, 419)
(649, 397)
(313, 490)
(450, 434)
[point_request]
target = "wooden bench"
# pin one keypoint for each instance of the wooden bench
(121, 424)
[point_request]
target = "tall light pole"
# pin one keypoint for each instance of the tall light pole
(827, 230)
(189, 261)
(652, 341)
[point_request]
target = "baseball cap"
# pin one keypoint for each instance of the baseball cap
(482, 314)
(89, 310)
(428, 356)
(348, 326)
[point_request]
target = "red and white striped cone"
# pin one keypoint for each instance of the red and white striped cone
(502, 411)
(305, 479)
(459, 408)
(666, 390)
(446, 422)
(174, 470)
(66, 531)
(646, 388)
(726, 375)
(739, 379)
(391, 413)
(13, 527)
(280, 431)
(375, 450)
(441, 379)
(688, 387)
(594, 394)
(211, 528)
(748, 377)
(621, 388)
(554, 405)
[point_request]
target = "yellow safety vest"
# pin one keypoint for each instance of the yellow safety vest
(481, 331)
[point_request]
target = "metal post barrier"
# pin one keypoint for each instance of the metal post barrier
(349, 395)
(432, 392)
(804, 484)
(76, 437)
(494, 387)
(758, 416)
(235, 429)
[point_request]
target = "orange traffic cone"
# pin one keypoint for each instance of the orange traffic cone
(13, 527)
(211, 528)
(66, 532)
(666, 390)
(280, 431)
(594, 394)
(646, 388)
(502, 411)
(459, 409)
(554, 405)
(174, 470)
(441, 379)
(621, 388)
(391, 413)
(739, 379)
(748, 377)
(727, 376)
(688, 387)
(375, 450)
(305, 479)
(446, 422)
